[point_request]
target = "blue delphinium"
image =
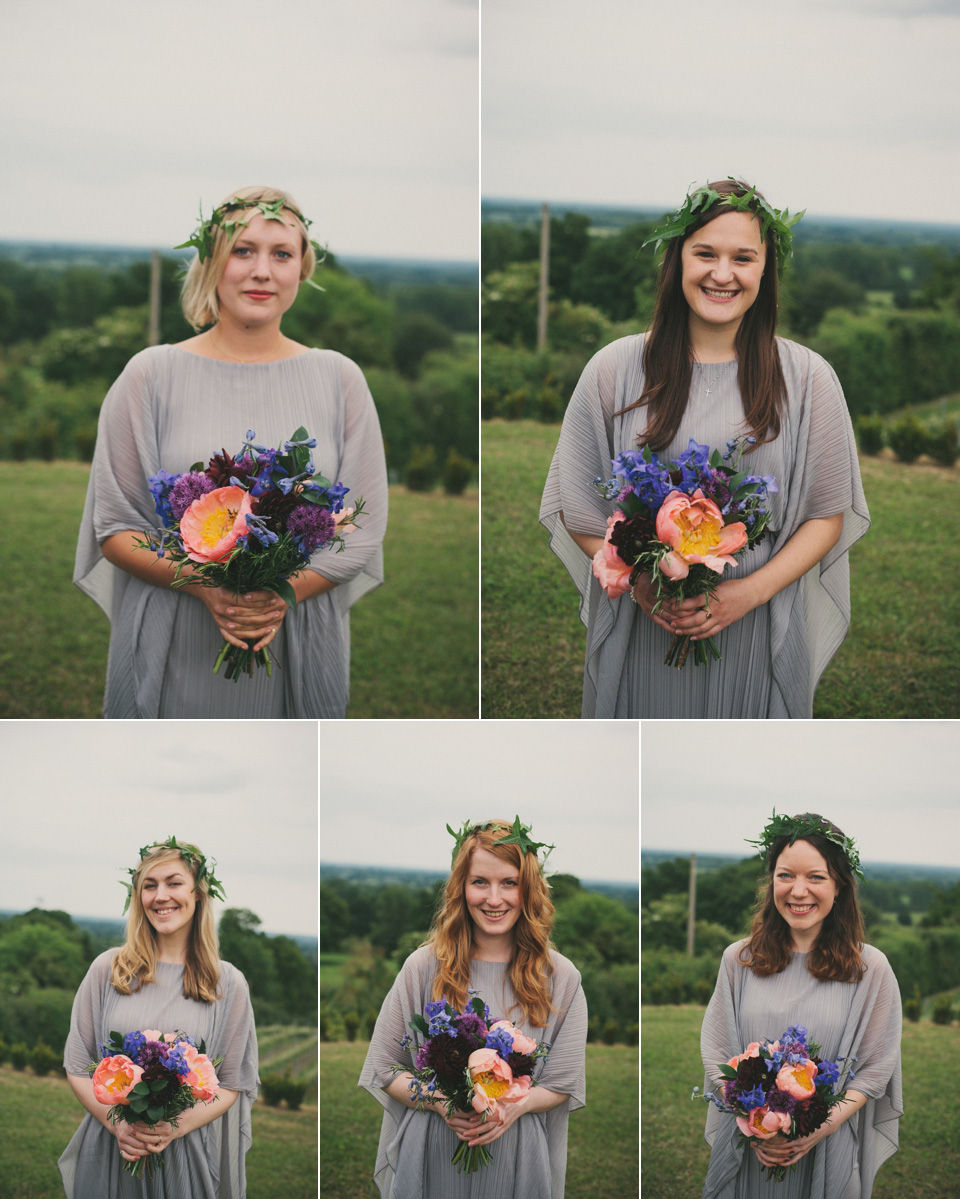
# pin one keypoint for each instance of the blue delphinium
(500, 1040)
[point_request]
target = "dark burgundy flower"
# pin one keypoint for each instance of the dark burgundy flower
(521, 1064)
(810, 1114)
(224, 466)
(447, 1056)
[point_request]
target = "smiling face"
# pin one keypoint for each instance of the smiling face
(722, 265)
(168, 896)
(262, 273)
(493, 894)
(803, 891)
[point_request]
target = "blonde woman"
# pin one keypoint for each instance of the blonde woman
(491, 936)
(177, 404)
(168, 976)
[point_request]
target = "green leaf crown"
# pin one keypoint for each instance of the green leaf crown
(518, 835)
(775, 220)
(194, 859)
(205, 233)
(796, 827)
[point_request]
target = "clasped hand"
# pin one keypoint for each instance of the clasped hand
(472, 1128)
(701, 616)
(137, 1140)
(255, 616)
(778, 1151)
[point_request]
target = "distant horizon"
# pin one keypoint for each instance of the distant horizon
(611, 882)
(173, 251)
(78, 916)
(866, 862)
(646, 207)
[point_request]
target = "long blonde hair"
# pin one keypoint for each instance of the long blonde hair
(136, 961)
(451, 937)
(198, 296)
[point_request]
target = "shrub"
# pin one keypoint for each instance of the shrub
(351, 1022)
(942, 1011)
(911, 1009)
(631, 1033)
(85, 439)
(610, 1032)
(4, 1051)
(422, 468)
(870, 434)
(942, 442)
(456, 473)
(19, 1055)
(908, 438)
(273, 1089)
(43, 1059)
(48, 437)
(294, 1092)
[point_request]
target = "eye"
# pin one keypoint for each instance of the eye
(284, 254)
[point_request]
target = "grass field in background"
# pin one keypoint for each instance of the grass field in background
(414, 640)
(602, 1155)
(40, 1115)
(901, 659)
(674, 1155)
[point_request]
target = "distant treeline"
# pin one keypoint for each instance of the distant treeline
(44, 956)
(915, 921)
(67, 331)
(368, 929)
(884, 312)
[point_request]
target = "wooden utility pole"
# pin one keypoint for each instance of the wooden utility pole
(692, 907)
(153, 337)
(544, 276)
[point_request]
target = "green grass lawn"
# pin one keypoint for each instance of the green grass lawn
(414, 640)
(901, 658)
(40, 1115)
(674, 1154)
(602, 1156)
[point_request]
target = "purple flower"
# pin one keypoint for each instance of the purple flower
(186, 489)
(500, 1040)
(160, 485)
(132, 1043)
(312, 527)
(471, 1025)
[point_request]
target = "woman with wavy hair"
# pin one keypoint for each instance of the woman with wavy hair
(491, 937)
(806, 963)
(177, 404)
(167, 977)
(711, 370)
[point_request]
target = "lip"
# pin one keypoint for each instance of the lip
(259, 295)
(807, 908)
(719, 295)
(494, 916)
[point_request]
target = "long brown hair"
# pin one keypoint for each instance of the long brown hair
(667, 353)
(137, 959)
(835, 955)
(451, 937)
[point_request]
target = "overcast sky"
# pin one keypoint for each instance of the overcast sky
(891, 785)
(82, 797)
(120, 118)
(387, 790)
(844, 107)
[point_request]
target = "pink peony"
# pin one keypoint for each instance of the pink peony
(202, 1079)
(673, 566)
(521, 1042)
(609, 567)
(798, 1080)
(752, 1050)
(153, 1034)
(114, 1079)
(693, 526)
(211, 526)
(493, 1082)
(763, 1123)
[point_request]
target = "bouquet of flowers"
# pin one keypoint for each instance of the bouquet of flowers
(682, 522)
(148, 1077)
(780, 1087)
(472, 1063)
(248, 523)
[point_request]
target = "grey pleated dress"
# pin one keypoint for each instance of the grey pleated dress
(207, 1163)
(845, 1019)
(168, 410)
(772, 659)
(530, 1159)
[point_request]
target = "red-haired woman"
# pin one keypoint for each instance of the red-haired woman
(491, 936)
(711, 368)
(167, 977)
(805, 963)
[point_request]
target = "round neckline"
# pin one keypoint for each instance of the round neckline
(232, 362)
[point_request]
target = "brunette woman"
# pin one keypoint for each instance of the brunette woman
(175, 405)
(712, 369)
(491, 936)
(805, 963)
(167, 977)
